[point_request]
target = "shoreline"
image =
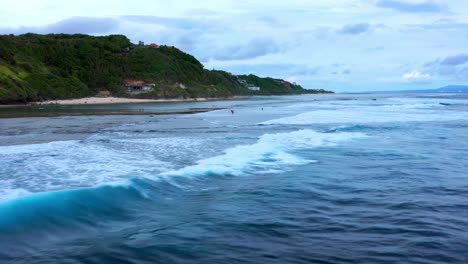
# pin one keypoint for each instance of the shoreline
(118, 100)
(93, 100)
(122, 100)
(109, 113)
(55, 108)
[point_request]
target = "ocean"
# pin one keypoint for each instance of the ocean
(341, 178)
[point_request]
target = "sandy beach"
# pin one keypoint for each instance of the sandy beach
(114, 100)
(108, 106)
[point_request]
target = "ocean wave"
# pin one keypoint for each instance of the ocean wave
(365, 115)
(63, 207)
(426, 102)
(45, 210)
(32, 168)
(272, 152)
(7, 194)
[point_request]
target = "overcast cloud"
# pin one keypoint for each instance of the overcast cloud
(412, 6)
(346, 45)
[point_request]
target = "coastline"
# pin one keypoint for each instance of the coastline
(94, 100)
(123, 100)
(92, 106)
(118, 100)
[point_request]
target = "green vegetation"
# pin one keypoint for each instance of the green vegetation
(59, 66)
(270, 86)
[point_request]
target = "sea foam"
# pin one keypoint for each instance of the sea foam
(61, 165)
(363, 115)
(11, 194)
(271, 153)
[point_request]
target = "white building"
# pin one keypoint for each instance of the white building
(254, 88)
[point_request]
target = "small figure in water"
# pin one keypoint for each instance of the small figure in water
(232, 111)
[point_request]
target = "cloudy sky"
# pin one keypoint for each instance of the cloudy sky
(342, 45)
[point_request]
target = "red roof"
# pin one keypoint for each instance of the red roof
(135, 82)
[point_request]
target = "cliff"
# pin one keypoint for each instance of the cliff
(59, 66)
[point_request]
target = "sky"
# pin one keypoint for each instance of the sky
(340, 45)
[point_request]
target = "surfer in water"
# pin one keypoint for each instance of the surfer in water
(232, 111)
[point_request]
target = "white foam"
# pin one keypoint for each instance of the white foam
(10, 194)
(426, 102)
(73, 164)
(382, 104)
(362, 115)
(271, 153)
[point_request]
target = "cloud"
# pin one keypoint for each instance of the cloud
(286, 70)
(447, 25)
(299, 32)
(84, 25)
(204, 12)
(304, 70)
(411, 7)
(355, 29)
(73, 25)
(206, 38)
(454, 67)
(416, 77)
(173, 22)
(376, 48)
(270, 20)
(455, 60)
(256, 47)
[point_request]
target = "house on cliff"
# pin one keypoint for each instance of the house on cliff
(136, 86)
(252, 87)
(248, 85)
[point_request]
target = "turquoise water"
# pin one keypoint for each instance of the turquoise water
(328, 179)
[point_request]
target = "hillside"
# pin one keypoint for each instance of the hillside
(271, 86)
(59, 66)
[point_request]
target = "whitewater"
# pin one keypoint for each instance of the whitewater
(291, 179)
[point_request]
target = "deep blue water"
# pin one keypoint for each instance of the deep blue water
(325, 179)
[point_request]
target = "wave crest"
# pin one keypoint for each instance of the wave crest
(272, 152)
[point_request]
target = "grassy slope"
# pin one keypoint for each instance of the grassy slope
(40, 67)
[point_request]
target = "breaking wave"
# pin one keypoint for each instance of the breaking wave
(363, 115)
(271, 151)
